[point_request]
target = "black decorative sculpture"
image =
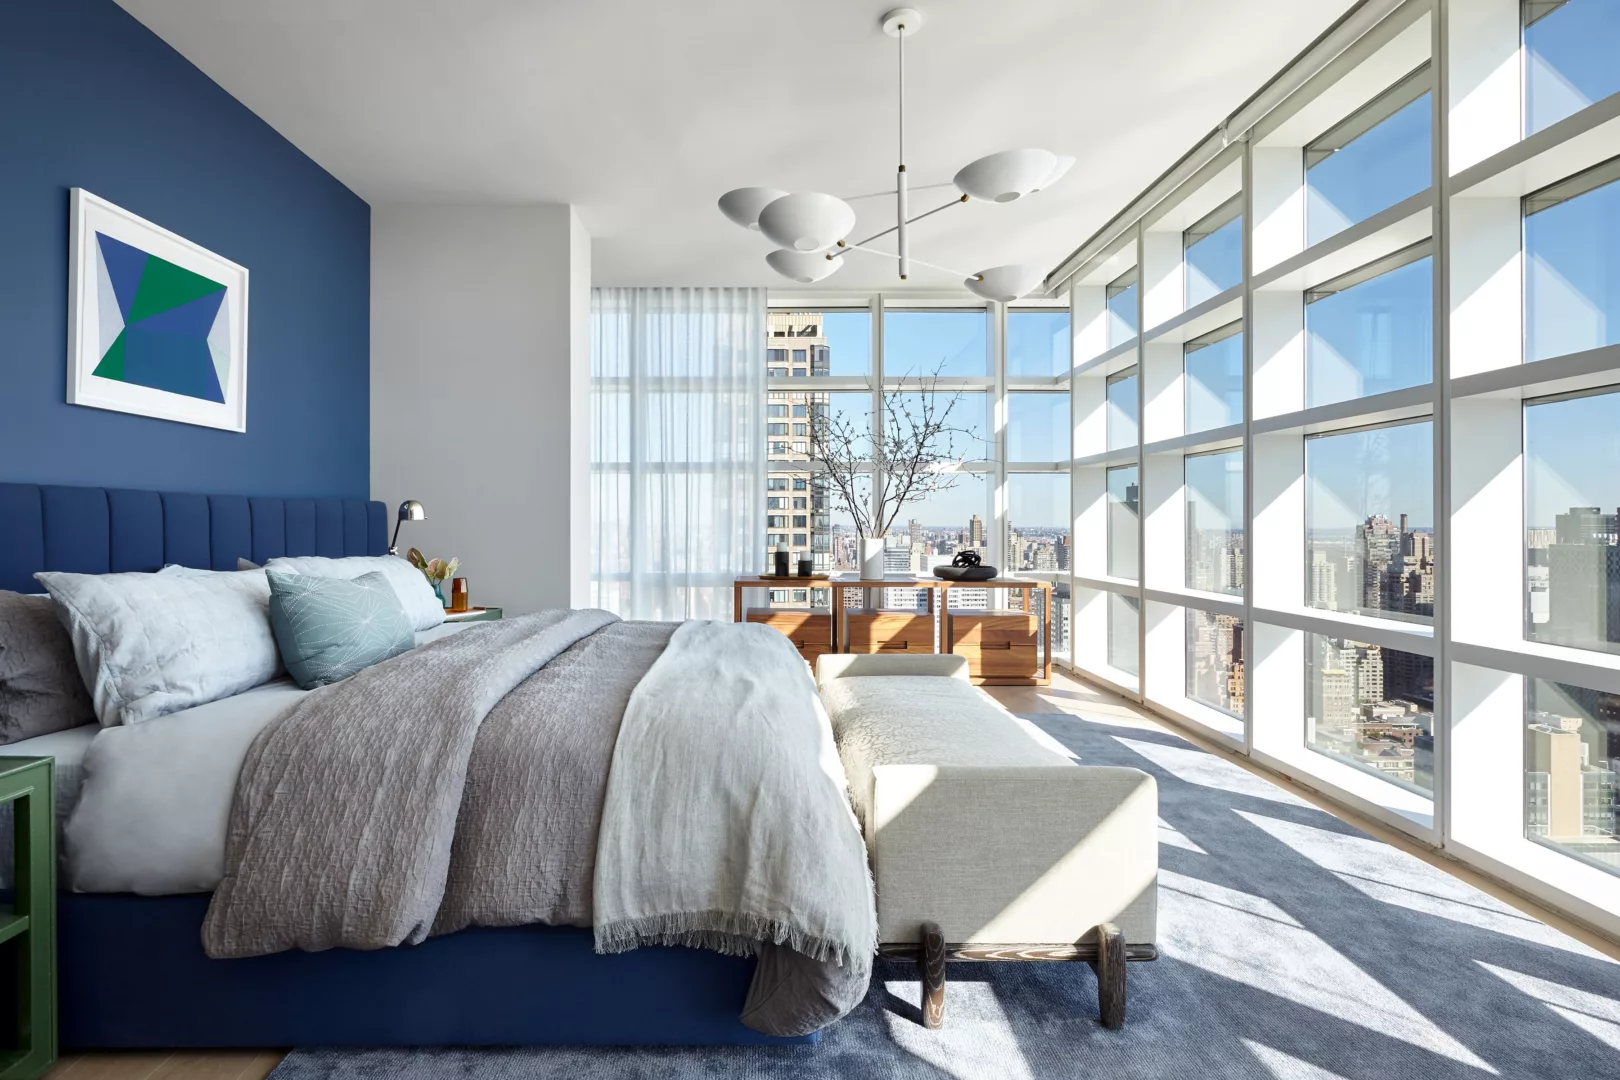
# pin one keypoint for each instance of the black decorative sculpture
(967, 566)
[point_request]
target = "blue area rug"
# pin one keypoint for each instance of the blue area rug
(1292, 946)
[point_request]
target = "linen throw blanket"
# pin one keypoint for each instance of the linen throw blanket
(485, 759)
(727, 821)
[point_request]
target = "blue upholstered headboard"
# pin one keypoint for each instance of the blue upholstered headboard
(90, 530)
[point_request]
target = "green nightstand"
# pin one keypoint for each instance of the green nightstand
(487, 614)
(28, 926)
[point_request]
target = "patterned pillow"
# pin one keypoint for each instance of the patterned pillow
(40, 688)
(329, 628)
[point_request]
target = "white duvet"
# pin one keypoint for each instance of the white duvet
(155, 799)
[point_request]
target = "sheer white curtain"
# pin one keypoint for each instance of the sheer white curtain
(677, 449)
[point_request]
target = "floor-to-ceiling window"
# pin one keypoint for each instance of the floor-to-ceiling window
(998, 376)
(1346, 415)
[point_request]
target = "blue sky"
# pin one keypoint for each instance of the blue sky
(1572, 457)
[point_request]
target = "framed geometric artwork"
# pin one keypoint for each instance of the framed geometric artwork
(156, 325)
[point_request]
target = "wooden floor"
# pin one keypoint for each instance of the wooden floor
(162, 1065)
(1064, 695)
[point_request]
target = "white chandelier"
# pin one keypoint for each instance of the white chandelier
(812, 229)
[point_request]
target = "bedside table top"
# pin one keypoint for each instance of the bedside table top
(476, 614)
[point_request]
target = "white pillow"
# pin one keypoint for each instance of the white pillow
(151, 644)
(416, 596)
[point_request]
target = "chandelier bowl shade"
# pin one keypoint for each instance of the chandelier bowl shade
(1005, 283)
(742, 205)
(1065, 162)
(810, 221)
(1006, 175)
(802, 266)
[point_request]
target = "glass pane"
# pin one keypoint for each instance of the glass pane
(1571, 745)
(1572, 274)
(930, 532)
(1121, 296)
(1568, 59)
(965, 415)
(834, 421)
(1038, 343)
(1215, 670)
(1572, 471)
(1376, 169)
(812, 343)
(1038, 529)
(1214, 261)
(1214, 383)
(1038, 427)
(1062, 618)
(1371, 338)
(1215, 522)
(1372, 708)
(1122, 522)
(927, 343)
(1121, 420)
(1122, 629)
(1369, 535)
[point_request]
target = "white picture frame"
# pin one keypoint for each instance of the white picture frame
(189, 364)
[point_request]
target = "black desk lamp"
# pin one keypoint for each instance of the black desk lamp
(409, 510)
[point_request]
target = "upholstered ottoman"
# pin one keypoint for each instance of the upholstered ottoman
(987, 842)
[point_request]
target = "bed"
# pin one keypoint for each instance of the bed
(132, 968)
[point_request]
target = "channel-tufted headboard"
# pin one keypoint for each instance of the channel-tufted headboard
(91, 530)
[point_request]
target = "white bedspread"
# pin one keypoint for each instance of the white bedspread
(151, 812)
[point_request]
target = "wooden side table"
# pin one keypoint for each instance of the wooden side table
(1027, 587)
(791, 582)
(28, 784)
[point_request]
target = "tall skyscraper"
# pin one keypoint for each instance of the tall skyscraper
(1583, 581)
(797, 502)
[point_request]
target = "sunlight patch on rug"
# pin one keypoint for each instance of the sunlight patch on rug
(1394, 877)
(1194, 766)
(1594, 1014)
(1251, 940)
(1287, 1066)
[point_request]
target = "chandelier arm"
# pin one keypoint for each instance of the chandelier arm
(890, 193)
(845, 246)
(919, 262)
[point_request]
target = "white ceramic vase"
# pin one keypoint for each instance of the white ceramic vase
(871, 558)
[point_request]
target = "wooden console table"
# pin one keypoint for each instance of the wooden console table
(838, 632)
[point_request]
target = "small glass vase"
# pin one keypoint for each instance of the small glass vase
(438, 590)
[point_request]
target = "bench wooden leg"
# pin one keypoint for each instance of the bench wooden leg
(933, 975)
(1110, 969)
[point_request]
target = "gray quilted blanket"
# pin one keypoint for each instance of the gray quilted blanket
(466, 782)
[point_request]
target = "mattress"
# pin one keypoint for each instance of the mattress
(68, 748)
(150, 802)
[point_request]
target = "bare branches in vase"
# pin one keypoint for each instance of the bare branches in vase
(876, 471)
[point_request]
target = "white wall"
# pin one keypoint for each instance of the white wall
(480, 393)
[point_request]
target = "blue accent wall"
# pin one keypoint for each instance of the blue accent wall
(90, 98)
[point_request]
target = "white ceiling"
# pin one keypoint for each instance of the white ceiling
(642, 112)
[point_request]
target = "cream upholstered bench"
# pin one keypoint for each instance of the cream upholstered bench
(985, 842)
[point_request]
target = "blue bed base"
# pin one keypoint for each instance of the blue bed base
(132, 973)
(131, 970)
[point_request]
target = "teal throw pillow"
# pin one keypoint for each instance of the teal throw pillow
(329, 628)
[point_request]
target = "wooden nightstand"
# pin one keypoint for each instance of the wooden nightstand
(477, 614)
(28, 928)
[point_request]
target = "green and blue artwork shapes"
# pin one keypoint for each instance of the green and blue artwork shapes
(162, 326)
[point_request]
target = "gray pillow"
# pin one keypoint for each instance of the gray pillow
(152, 644)
(40, 688)
(329, 628)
